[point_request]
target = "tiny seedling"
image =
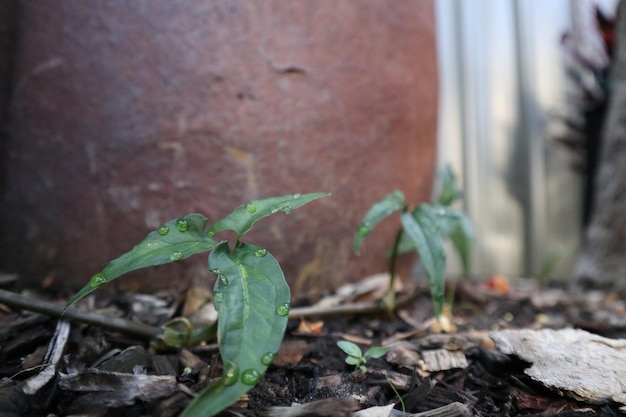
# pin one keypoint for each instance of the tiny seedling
(423, 230)
(251, 295)
(356, 356)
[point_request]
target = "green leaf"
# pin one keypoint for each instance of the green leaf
(252, 299)
(175, 240)
(422, 229)
(350, 348)
(453, 224)
(448, 192)
(376, 352)
(353, 360)
(383, 208)
(463, 240)
(244, 216)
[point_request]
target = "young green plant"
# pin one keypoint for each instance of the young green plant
(423, 230)
(356, 357)
(251, 295)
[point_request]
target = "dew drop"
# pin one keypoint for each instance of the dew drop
(163, 230)
(216, 271)
(297, 196)
(364, 229)
(210, 233)
(176, 256)
(275, 210)
(218, 296)
(283, 309)
(181, 224)
(267, 359)
(251, 208)
(250, 376)
(98, 279)
(231, 374)
(223, 280)
(261, 252)
(286, 209)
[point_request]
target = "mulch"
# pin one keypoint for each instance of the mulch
(51, 367)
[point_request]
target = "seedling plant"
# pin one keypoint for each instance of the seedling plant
(423, 230)
(356, 357)
(251, 295)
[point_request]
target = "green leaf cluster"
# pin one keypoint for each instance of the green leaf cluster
(423, 230)
(250, 294)
(356, 357)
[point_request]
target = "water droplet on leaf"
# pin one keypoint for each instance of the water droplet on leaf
(210, 233)
(218, 296)
(231, 374)
(250, 208)
(261, 252)
(364, 229)
(181, 224)
(283, 309)
(286, 209)
(163, 230)
(176, 256)
(297, 196)
(250, 376)
(267, 358)
(274, 210)
(223, 280)
(98, 280)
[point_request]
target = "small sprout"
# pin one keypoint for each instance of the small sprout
(356, 356)
(255, 335)
(423, 230)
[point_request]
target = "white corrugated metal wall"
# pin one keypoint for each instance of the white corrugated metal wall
(502, 79)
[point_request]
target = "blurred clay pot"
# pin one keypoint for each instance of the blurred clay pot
(123, 115)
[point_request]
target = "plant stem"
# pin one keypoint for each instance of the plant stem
(390, 298)
(146, 332)
(140, 330)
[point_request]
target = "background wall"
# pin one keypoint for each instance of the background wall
(504, 96)
(126, 114)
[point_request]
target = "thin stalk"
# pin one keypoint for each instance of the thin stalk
(390, 298)
(131, 328)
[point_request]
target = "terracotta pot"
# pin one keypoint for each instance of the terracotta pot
(126, 114)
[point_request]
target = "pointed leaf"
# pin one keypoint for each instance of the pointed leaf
(448, 192)
(252, 299)
(453, 224)
(376, 352)
(463, 240)
(350, 348)
(175, 240)
(383, 208)
(422, 229)
(244, 216)
(353, 360)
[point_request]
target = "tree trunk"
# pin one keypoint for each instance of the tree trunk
(602, 262)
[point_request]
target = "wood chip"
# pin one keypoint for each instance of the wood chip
(54, 354)
(331, 407)
(585, 366)
(118, 389)
(442, 360)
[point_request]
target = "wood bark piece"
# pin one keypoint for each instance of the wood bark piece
(115, 389)
(442, 360)
(53, 356)
(579, 364)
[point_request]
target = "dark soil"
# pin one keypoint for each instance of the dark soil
(99, 369)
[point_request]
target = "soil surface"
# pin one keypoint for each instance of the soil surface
(58, 368)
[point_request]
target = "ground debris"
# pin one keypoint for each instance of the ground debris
(582, 365)
(107, 373)
(115, 389)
